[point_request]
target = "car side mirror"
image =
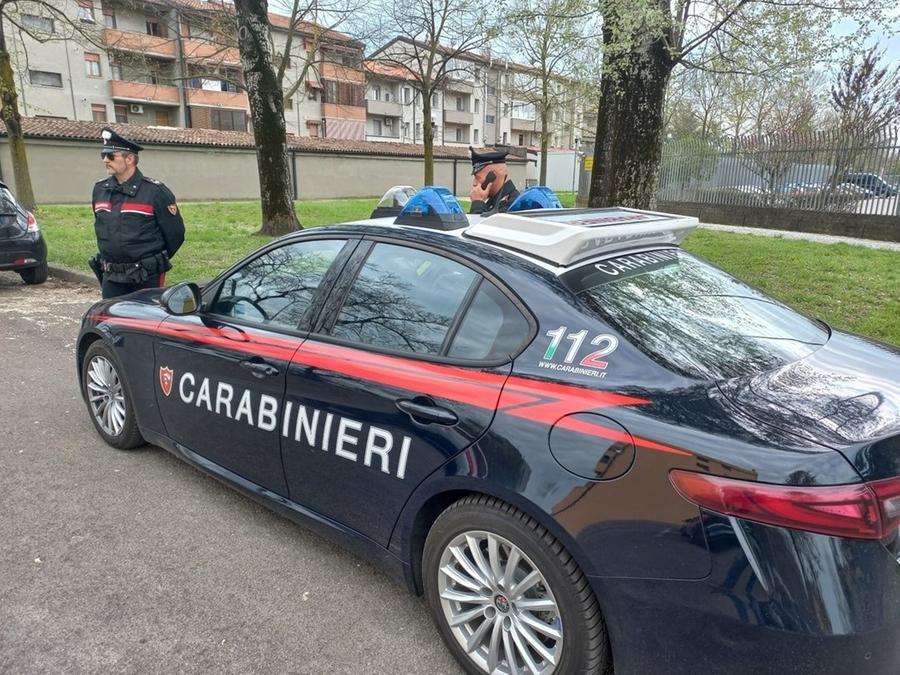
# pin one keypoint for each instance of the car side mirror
(183, 298)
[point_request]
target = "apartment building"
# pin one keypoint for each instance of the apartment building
(483, 101)
(175, 63)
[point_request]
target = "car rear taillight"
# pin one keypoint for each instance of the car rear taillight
(32, 223)
(858, 511)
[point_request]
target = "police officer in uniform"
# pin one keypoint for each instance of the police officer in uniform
(492, 190)
(138, 224)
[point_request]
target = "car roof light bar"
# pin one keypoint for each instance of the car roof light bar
(566, 236)
(435, 208)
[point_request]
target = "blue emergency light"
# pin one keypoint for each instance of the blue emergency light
(433, 207)
(537, 197)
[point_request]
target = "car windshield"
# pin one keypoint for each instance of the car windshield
(692, 318)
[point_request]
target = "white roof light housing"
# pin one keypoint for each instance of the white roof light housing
(566, 236)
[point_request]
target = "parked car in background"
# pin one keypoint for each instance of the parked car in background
(873, 184)
(22, 247)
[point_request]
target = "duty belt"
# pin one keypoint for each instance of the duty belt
(156, 263)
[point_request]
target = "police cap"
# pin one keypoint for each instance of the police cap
(482, 159)
(112, 142)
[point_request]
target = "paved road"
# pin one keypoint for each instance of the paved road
(116, 561)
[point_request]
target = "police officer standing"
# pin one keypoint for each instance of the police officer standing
(492, 190)
(138, 225)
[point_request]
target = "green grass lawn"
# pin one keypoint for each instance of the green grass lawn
(849, 287)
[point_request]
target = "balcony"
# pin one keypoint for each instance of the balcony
(132, 41)
(524, 124)
(332, 71)
(220, 99)
(388, 109)
(459, 117)
(343, 112)
(140, 92)
(462, 86)
(196, 50)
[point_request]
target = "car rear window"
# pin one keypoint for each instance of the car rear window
(693, 318)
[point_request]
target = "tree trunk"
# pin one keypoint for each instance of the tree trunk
(428, 138)
(9, 111)
(545, 112)
(630, 124)
(267, 113)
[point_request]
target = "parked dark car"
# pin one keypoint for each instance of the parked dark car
(588, 448)
(22, 247)
(873, 184)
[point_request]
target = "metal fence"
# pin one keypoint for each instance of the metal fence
(820, 171)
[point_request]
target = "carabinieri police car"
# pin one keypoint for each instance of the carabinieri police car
(588, 448)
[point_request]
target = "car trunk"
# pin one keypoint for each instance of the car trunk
(845, 395)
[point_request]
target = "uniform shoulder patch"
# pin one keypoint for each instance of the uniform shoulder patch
(103, 180)
(152, 180)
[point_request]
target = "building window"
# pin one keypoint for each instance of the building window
(228, 120)
(162, 118)
(344, 93)
(37, 24)
(186, 29)
(313, 128)
(387, 97)
(121, 113)
(477, 75)
(115, 71)
(460, 104)
(521, 139)
(475, 137)
(376, 93)
(98, 112)
(477, 105)
(109, 18)
(488, 119)
(86, 11)
(506, 109)
(434, 103)
(43, 78)
(504, 138)
(155, 27)
(91, 64)
(407, 94)
(289, 104)
(418, 131)
(491, 90)
(376, 127)
(459, 135)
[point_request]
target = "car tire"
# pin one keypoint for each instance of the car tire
(108, 398)
(479, 604)
(35, 275)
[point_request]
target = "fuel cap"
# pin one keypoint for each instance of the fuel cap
(592, 446)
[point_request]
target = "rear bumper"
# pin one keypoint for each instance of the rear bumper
(22, 252)
(776, 602)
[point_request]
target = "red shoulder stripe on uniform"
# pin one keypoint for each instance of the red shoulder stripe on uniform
(137, 207)
(102, 206)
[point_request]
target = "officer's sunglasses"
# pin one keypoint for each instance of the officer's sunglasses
(109, 155)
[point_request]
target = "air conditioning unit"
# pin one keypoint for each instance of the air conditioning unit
(136, 109)
(388, 122)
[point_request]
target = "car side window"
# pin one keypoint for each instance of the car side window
(404, 299)
(492, 329)
(275, 289)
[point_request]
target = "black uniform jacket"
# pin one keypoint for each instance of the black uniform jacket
(136, 220)
(499, 202)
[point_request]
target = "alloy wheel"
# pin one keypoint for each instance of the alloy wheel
(499, 606)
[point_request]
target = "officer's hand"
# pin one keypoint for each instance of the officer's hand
(479, 193)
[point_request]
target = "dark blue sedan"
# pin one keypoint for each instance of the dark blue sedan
(588, 448)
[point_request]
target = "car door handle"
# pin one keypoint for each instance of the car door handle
(424, 411)
(260, 369)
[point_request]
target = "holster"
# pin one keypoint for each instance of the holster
(96, 265)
